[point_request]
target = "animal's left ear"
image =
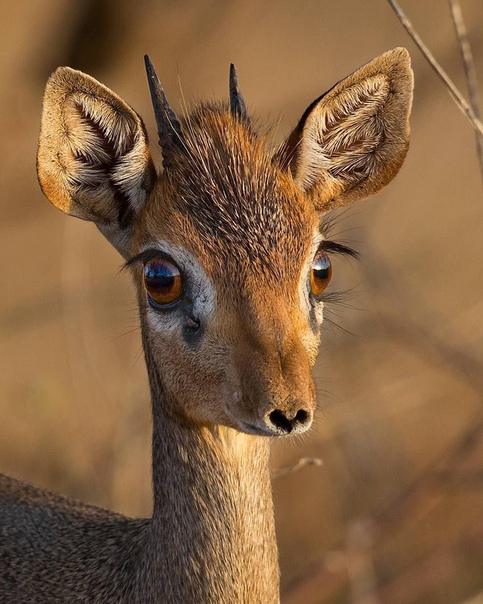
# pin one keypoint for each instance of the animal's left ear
(352, 140)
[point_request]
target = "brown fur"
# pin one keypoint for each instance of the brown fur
(243, 226)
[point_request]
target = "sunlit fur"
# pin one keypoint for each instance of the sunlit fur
(230, 363)
(251, 229)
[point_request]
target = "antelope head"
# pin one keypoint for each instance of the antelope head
(225, 243)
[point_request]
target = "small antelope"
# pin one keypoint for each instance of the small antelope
(227, 252)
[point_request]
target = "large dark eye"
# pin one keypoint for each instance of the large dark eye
(163, 282)
(320, 273)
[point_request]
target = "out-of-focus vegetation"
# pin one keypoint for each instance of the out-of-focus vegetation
(394, 514)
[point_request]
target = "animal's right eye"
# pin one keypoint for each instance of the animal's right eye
(163, 282)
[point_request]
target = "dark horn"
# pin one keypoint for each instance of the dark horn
(237, 104)
(169, 129)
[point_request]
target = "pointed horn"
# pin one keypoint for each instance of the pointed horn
(169, 129)
(237, 104)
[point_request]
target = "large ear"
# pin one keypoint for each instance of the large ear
(352, 140)
(93, 160)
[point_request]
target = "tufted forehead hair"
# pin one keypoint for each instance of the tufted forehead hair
(232, 200)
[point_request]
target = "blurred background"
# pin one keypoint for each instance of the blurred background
(395, 512)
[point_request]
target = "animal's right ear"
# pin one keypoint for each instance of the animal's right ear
(93, 160)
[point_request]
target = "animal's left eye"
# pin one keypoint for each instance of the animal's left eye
(320, 273)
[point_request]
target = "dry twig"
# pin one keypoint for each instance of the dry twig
(302, 462)
(455, 93)
(470, 72)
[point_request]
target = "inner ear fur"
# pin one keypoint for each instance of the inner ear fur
(351, 141)
(93, 160)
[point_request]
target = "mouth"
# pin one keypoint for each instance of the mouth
(256, 430)
(261, 429)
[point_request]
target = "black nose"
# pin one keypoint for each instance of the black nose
(286, 422)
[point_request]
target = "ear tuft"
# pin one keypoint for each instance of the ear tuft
(93, 160)
(352, 140)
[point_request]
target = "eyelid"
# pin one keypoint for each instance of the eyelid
(154, 254)
(161, 307)
(146, 255)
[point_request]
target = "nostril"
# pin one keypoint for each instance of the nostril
(288, 422)
(301, 417)
(280, 420)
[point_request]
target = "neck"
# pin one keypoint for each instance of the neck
(212, 535)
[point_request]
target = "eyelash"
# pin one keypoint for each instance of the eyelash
(332, 247)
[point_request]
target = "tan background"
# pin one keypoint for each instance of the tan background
(395, 512)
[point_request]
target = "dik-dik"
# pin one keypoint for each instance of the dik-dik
(227, 252)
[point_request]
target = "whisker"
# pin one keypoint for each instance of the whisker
(343, 329)
(126, 333)
(334, 218)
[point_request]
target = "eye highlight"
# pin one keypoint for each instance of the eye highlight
(163, 282)
(320, 273)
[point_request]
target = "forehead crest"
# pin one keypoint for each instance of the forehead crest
(237, 199)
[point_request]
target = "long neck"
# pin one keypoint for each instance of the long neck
(212, 535)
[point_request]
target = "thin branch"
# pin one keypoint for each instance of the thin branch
(470, 72)
(304, 461)
(455, 93)
(466, 55)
